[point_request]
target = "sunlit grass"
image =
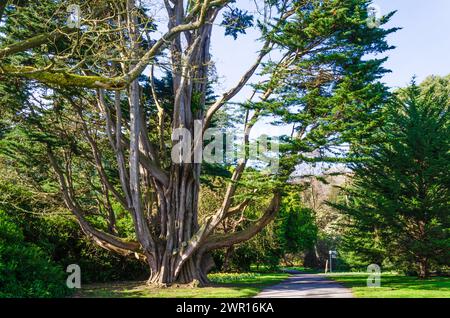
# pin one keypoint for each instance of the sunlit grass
(224, 285)
(395, 286)
(302, 269)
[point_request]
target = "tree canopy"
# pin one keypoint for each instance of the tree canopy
(398, 203)
(84, 113)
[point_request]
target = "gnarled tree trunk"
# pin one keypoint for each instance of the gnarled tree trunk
(163, 203)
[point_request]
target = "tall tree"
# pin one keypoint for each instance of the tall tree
(84, 104)
(398, 205)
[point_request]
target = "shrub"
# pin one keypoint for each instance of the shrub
(25, 270)
(220, 278)
(59, 236)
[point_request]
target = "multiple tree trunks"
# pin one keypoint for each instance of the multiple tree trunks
(113, 49)
(171, 240)
(182, 246)
(162, 202)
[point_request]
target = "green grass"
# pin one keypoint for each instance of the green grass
(301, 269)
(263, 268)
(223, 286)
(250, 284)
(394, 286)
(270, 269)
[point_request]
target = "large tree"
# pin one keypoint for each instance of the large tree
(398, 207)
(80, 96)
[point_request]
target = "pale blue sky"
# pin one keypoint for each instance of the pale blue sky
(422, 47)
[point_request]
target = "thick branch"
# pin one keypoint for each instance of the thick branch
(211, 223)
(225, 240)
(160, 109)
(237, 174)
(140, 222)
(104, 240)
(60, 78)
(98, 161)
(245, 78)
(238, 208)
(31, 43)
(63, 79)
(148, 164)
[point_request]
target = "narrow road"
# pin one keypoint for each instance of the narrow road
(301, 285)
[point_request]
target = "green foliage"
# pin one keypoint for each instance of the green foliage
(333, 95)
(325, 87)
(65, 242)
(60, 237)
(262, 250)
(236, 21)
(398, 208)
(292, 232)
(25, 269)
(297, 230)
(220, 278)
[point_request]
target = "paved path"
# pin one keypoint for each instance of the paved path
(302, 285)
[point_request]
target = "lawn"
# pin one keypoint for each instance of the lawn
(302, 269)
(250, 284)
(223, 286)
(394, 286)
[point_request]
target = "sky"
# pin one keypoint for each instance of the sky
(422, 48)
(423, 45)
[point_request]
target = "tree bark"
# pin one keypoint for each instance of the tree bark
(424, 271)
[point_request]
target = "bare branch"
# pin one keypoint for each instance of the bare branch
(105, 240)
(237, 88)
(225, 240)
(65, 79)
(160, 111)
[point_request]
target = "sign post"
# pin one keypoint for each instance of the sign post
(333, 254)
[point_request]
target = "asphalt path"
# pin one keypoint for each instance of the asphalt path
(302, 285)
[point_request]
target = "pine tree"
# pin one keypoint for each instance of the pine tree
(398, 206)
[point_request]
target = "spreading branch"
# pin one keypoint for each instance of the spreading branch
(216, 241)
(34, 42)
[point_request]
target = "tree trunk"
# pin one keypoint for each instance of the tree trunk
(227, 259)
(178, 212)
(183, 253)
(177, 260)
(163, 202)
(424, 270)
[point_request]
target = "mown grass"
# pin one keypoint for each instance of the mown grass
(302, 269)
(394, 286)
(223, 286)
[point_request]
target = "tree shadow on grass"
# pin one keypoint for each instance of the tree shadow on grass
(246, 287)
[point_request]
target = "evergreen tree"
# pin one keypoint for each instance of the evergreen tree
(398, 206)
(297, 230)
